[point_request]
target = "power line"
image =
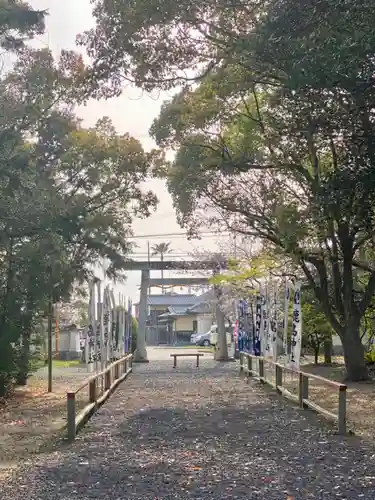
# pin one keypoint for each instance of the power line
(173, 254)
(188, 258)
(166, 257)
(175, 235)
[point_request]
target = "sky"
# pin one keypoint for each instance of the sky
(133, 112)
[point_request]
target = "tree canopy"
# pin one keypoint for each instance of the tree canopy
(272, 125)
(161, 248)
(68, 193)
(19, 22)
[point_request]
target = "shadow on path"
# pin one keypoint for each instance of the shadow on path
(203, 434)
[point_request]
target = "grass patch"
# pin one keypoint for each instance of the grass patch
(199, 348)
(58, 363)
(33, 421)
(36, 364)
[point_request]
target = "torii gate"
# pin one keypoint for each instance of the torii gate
(146, 282)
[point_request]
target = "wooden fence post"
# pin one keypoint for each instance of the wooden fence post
(249, 366)
(342, 409)
(261, 369)
(92, 390)
(71, 415)
(278, 377)
(117, 376)
(303, 389)
(107, 381)
(241, 361)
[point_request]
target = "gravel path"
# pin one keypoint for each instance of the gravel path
(202, 434)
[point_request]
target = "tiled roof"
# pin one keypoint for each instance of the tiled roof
(177, 310)
(180, 300)
(201, 308)
(206, 296)
(203, 303)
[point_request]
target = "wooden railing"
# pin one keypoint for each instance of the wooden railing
(271, 373)
(98, 387)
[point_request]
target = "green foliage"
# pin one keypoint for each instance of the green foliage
(370, 356)
(68, 194)
(244, 276)
(161, 249)
(368, 334)
(316, 328)
(272, 128)
(18, 22)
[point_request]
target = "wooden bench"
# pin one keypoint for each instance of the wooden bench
(185, 355)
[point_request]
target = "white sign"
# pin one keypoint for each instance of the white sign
(108, 325)
(274, 321)
(285, 322)
(90, 344)
(267, 322)
(107, 330)
(258, 324)
(295, 355)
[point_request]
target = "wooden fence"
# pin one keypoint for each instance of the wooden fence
(273, 374)
(98, 387)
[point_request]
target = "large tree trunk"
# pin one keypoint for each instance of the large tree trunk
(354, 355)
(221, 353)
(328, 352)
(316, 354)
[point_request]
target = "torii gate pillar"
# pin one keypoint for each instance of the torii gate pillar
(141, 352)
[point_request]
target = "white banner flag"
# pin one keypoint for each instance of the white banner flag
(99, 327)
(295, 356)
(267, 313)
(285, 322)
(274, 321)
(90, 342)
(114, 326)
(258, 326)
(107, 331)
(262, 334)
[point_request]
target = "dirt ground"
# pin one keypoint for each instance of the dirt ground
(198, 433)
(32, 419)
(360, 396)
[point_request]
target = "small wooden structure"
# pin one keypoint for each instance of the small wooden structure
(185, 355)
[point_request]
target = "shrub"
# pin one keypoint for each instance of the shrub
(134, 334)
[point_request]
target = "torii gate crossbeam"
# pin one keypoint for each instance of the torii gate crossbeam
(145, 267)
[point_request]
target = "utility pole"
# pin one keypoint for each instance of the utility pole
(50, 320)
(148, 258)
(57, 330)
